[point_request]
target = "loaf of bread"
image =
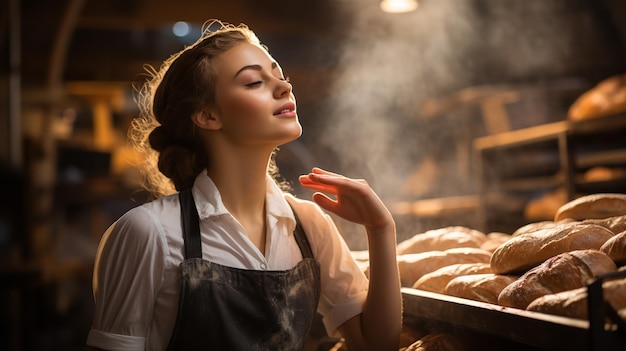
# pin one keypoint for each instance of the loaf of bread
(573, 303)
(479, 287)
(414, 266)
(436, 281)
(566, 271)
(615, 248)
(594, 206)
(615, 224)
(441, 239)
(607, 97)
(535, 226)
(526, 251)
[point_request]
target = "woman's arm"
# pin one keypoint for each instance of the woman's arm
(379, 326)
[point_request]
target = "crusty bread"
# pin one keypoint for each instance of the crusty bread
(526, 251)
(569, 303)
(605, 98)
(573, 303)
(593, 206)
(441, 239)
(436, 281)
(535, 226)
(615, 248)
(414, 266)
(479, 287)
(566, 271)
(615, 224)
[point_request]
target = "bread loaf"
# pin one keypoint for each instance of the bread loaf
(607, 97)
(593, 206)
(479, 287)
(441, 239)
(535, 226)
(615, 224)
(436, 281)
(414, 266)
(615, 248)
(528, 250)
(566, 271)
(573, 303)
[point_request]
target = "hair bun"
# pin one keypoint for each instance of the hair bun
(159, 140)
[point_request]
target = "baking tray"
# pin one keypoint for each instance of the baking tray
(537, 330)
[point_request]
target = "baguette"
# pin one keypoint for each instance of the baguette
(414, 266)
(526, 251)
(441, 239)
(479, 287)
(573, 303)
(566, 271)
(535, 226)
(436, 281)
(615, 224)
(595, 206)
(615, 248)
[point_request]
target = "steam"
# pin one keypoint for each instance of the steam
(391, 63)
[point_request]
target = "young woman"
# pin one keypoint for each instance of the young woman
(225, 259)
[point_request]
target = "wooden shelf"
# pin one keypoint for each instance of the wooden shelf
(549, 156)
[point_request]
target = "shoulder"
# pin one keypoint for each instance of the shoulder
(145, 224)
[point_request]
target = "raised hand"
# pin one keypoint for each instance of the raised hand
(354, 200)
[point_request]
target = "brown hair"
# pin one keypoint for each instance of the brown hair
(184, 84)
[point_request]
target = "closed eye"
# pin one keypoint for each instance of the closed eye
(253, 84)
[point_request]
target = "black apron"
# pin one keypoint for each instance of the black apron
(226, 308)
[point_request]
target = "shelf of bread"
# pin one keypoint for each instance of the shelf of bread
(516, 290)
(532, 329)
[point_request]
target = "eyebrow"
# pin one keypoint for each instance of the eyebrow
(255, 67)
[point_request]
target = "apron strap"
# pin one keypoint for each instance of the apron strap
(190, 225)
(301, 239)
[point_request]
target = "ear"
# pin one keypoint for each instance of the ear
(206, 119)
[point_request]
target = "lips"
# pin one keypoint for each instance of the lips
(286, 108)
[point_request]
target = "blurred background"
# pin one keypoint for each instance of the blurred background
(406, 100)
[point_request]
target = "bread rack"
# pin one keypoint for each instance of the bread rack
(495, 327)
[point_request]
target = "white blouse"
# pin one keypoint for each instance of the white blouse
(136, 278)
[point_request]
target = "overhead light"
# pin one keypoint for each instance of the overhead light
(398, 6)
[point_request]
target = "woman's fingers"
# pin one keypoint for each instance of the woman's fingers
(325, 202)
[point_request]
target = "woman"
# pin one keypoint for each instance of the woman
(248, 265)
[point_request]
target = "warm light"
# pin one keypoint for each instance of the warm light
(398, 6)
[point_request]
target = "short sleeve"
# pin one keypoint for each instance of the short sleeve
(128, 273)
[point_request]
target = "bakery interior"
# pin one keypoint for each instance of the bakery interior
(483, 115)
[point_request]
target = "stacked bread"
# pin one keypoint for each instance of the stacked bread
(432, 259)
(543, 266)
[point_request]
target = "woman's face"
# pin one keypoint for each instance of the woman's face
(255, 104)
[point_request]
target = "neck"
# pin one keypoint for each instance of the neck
(241, 181)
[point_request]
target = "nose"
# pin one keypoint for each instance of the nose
(283, 87)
